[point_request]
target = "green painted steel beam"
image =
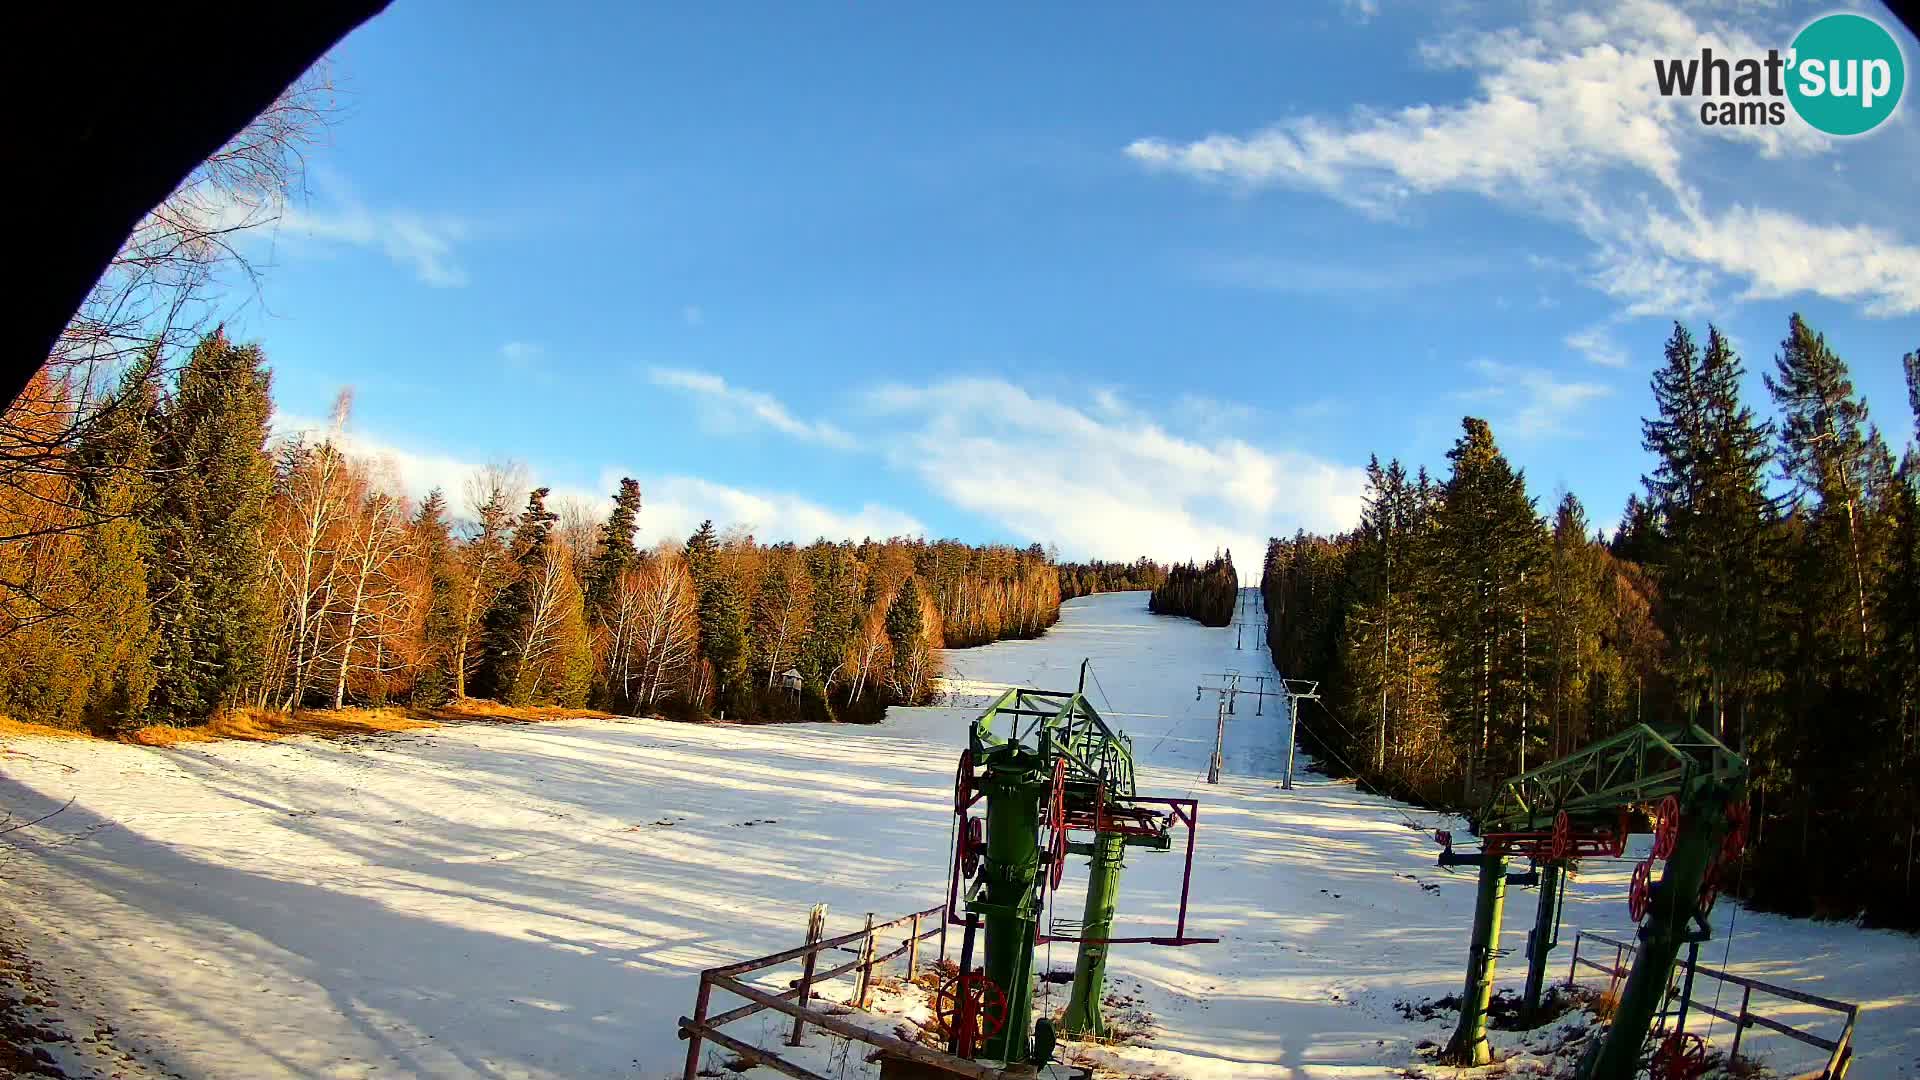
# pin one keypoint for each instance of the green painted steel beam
(1469, 1044)
(1083, 1015)
(1639, 764)
(1014, 787)
(1703, 825)
(1544, 936)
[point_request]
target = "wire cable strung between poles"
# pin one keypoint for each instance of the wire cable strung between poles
(1359, 781)
(1733, 922)
(1411, 787)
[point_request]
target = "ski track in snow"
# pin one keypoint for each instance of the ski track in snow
(535, 900)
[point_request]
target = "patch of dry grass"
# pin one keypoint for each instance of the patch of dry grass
(482, 709)
(266, 725)
(11, 728)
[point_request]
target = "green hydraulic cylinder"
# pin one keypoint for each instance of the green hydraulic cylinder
(1014, 786)
(1090, 967)
(1674, 899)
(1545, 935)
(1469, 1044)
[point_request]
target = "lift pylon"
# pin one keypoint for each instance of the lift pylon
(1584, 805)
(1048, 767)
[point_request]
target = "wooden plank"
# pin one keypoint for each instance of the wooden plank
(748, 1009)
(744, 966)
(1602, 937)
(1711, 1011)
(912, 1051)
(1784, 991)
(1791, 1032)
(750, 1052)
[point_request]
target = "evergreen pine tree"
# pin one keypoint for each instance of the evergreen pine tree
(1493, 546)
(205, 579)
(614, 552)
(906, 633)
(702, 552)
(116, 488)
(723, 641)
(506, 623)
(1829, 454)
(440, 627)
(1717, 544)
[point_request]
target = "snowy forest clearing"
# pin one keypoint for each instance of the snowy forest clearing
(535, 900)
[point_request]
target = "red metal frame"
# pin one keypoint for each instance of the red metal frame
(1133, 822)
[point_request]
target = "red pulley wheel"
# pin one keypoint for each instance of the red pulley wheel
(1709, 890)
(1640, 890)
(1059, 867)
(963, 782)
(973, 1008)
(1562, 836)
(1667, 832)
(1683, 1056)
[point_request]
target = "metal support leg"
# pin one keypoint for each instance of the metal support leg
(1014, 786)
(1469, 1043)
(1665, 931)
(1546, 927)
(966, 965)
(1083, 1015)
(1293, 728)
(1686, 984)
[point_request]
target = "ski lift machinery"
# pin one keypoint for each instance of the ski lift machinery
(1055, 780)
(1584, 805)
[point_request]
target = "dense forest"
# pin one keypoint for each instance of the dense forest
(1765, 584)
(1207, 593)
(164, 559)
(1088, 578)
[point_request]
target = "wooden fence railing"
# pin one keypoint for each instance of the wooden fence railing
(796, 1001)
(1839, 1048)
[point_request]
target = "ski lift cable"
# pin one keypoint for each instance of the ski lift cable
(1733, 921)
(1357, 779)
(1408, 784)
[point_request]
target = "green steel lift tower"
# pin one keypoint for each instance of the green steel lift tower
(1584, 805)
(1047, 767)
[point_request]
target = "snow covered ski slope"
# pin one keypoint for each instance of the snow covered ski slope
(534, 900)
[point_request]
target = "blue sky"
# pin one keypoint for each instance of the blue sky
(1135, 279)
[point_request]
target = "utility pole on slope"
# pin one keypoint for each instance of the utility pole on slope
(1240, 619)
(1297, 690)
(1229, 691)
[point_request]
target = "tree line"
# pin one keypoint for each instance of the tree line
(163, 557)
(1087, 578)
(1765, 584)
(1206, 593)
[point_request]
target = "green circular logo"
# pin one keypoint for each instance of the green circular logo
(1846, 74)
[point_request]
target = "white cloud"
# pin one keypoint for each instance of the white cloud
(1780, 255)
(676, 505)
(1566, 122)
(1598, 346)
(1531, 401)
(1108, 482)
(402, 470)
(421, 243)
(731, 407)
(672, 505)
